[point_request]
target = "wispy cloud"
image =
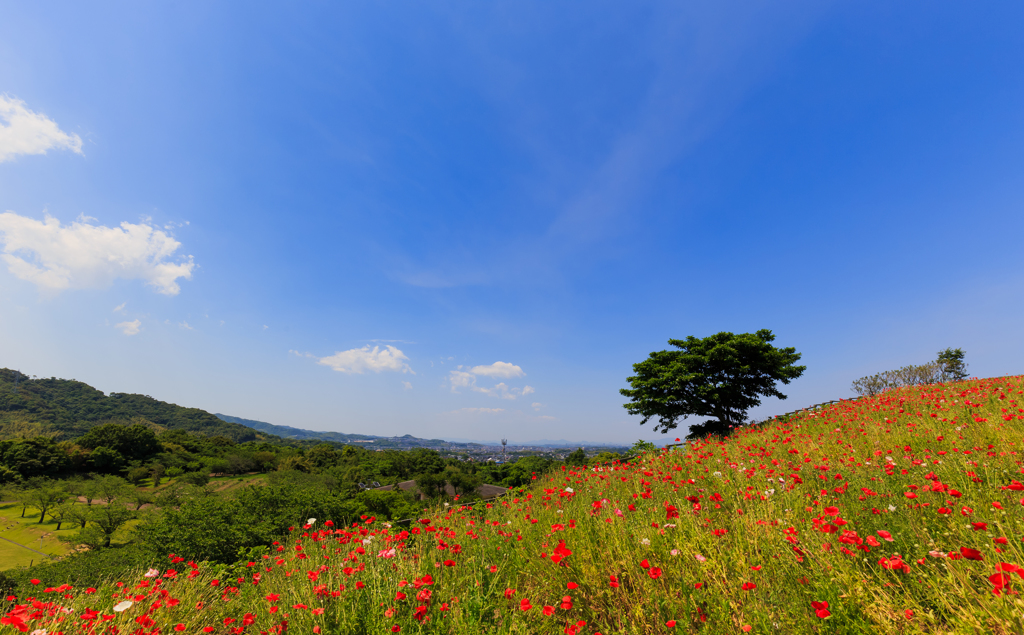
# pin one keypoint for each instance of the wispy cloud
(81, 255)
(130, 328)
(23, 131)
(357, 361)
(477, 411)
(466, 380)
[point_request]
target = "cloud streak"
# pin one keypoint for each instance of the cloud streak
(23, 131)
(80, 255)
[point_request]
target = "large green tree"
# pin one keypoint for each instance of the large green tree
(721, 376)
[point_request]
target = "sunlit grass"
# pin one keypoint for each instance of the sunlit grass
(28, 532)
(897, 514)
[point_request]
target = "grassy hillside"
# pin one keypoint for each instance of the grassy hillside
(894, 514)
(67, 409)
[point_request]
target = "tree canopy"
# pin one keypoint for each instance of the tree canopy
(720, 376)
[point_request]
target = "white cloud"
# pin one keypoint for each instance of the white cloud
(81, 255)
(478, 411)
(359, 360)
(130, 328)
(185, 325)
(460, 379)
(25, 132)
(120, 307)
(407, 385)
(537, 405)
(498, 369)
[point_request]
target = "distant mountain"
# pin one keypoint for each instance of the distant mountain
(289, 432)
(66, 409)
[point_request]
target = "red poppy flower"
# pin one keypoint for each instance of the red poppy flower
(971, 554)
(821, 609)
(747, 586)
(549, 610)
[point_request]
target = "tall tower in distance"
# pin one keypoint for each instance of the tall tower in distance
(504, 442)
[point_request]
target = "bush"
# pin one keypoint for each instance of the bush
(194, 478)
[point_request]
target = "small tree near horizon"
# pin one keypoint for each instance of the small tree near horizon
(721, 376)
(953, 366)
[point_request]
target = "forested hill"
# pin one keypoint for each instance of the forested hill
(66, 409)
(288, 432)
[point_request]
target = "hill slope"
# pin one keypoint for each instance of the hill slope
(67, 409)
(893, 514)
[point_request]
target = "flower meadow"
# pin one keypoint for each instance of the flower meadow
(899, 513)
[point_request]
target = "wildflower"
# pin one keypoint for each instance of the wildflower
(821, 609)
(971, 554)
(123, 606)
(310, 521)
(748, 586)
(152, 573)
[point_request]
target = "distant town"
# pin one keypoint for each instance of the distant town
(466, 451)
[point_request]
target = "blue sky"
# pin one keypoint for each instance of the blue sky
(343, 216)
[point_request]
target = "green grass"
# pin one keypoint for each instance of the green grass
(28, 531)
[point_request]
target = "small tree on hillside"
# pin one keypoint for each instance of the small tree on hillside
(720, 376)
(46, 497)
(106, 519)
(953, 366)
(61, 512)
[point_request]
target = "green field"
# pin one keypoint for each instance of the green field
(29, 534)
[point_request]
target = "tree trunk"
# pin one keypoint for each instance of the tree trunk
(42, 516)
(58, 524)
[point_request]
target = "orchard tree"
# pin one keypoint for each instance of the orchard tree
(721, 376)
